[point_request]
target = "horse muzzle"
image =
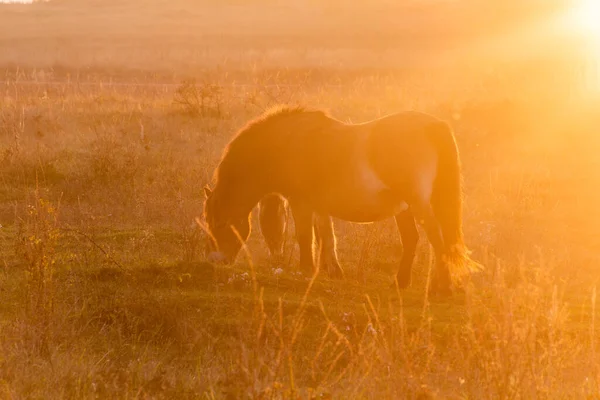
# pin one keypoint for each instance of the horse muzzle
(217, 257)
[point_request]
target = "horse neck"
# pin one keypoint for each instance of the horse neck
(237, 199)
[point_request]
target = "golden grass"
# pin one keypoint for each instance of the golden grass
(104, 293)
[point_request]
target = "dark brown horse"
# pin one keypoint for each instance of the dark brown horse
(404, 165)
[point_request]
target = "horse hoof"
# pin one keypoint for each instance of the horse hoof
(403, 281)
(307, 271)
(277, 259)
(337, 274)
(441, 291)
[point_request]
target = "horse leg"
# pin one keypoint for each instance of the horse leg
(273, 213)
(327, 246)
(426, 217)
(409, 236)
(303, 219)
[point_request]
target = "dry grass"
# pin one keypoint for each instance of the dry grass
(104, 293)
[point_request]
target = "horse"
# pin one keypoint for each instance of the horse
(404, 165)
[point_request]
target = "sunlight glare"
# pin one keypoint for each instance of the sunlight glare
(586, 16)
(584, 19)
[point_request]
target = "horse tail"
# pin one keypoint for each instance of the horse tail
(446, 200)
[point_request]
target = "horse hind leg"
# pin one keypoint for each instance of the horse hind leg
(327, 245)
(273, 217)
(405, 221)
(425, 216)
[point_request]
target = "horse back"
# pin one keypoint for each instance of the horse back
(402, 153)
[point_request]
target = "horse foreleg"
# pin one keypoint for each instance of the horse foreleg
(303, 219)
(273, 214)
(327, 246)
(425, 216)
(405, 221)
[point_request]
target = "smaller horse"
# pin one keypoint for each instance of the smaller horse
(404, 165)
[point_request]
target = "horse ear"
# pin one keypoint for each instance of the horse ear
(207, 191)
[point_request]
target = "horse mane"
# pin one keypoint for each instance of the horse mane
(276, 113)
(262, 127)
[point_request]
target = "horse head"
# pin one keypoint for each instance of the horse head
(227, 232)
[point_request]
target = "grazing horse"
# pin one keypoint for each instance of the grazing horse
(404, 165)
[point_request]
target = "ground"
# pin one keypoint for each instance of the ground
(104, 292)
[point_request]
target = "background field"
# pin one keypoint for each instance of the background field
(112, 119)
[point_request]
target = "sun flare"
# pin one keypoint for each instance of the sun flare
(584, 19)
(586, 16)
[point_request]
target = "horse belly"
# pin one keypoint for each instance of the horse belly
(364, 199)
(367, 211)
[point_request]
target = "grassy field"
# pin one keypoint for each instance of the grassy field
(104, 292)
